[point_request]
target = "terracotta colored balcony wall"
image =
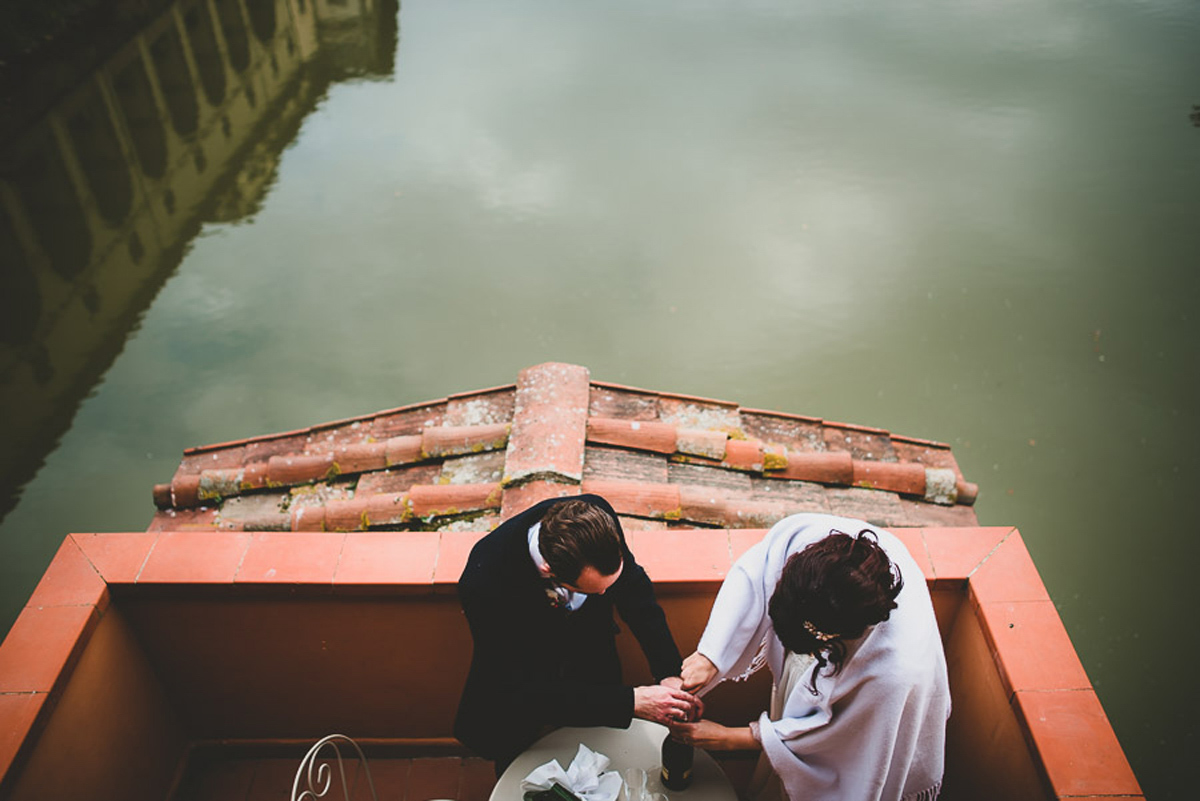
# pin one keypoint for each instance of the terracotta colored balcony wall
(135, 647)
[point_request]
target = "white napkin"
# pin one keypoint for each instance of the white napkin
(586, 777)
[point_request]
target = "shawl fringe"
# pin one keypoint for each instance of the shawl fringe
(756, 664)
(925, 795)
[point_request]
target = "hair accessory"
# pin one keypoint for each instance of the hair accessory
(814, 631)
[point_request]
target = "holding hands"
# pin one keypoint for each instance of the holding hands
(666, 703)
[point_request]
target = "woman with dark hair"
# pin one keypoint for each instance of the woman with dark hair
(840, 613)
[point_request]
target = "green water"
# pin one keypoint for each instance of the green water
(973, 222)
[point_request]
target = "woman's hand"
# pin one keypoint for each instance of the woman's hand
(662, 704)
(713, 736)
(698, 670)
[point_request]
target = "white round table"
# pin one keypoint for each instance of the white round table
(639, 746)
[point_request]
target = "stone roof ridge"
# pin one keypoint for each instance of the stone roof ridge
(471, 459)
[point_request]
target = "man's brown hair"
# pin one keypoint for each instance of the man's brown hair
(574, 535)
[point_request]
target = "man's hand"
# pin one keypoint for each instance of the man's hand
(698, 670)
(676, 683)
(713, 736)
(662, 704)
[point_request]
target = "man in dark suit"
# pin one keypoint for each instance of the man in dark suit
(538, 593)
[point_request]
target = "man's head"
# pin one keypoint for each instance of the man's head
(581, 545)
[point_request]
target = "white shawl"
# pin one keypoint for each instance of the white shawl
(875, 731)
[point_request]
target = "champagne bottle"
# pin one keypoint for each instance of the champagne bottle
(676, 764)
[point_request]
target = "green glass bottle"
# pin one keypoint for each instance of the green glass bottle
(677, 761)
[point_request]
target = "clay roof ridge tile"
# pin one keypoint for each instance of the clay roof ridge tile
(856, 427)
(928, 443)
(673, 395)
(489, 390)
(804, 418)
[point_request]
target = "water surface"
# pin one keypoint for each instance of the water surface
(973, 222)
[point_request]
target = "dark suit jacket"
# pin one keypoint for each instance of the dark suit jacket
(535, 665)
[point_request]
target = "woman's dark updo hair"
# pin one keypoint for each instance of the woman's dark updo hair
(841, 585)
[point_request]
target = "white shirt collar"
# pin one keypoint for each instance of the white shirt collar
(570, 599)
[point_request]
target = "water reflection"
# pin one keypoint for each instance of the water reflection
(99, 195)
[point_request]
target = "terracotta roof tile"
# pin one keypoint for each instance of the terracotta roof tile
(478, 468)
(701, 442)
(518, 499)
(862, 442)
(549, 424)
(641, 524)
(805, 493)
(220, 483)
(794, 432)
(643, 435)
(185, 491)
(399, 479)
(607, 400)
(638, 499)
(360, 458)
(213, 457)
(403, 449)
(430, 500)
(617, 464)
(260, 512)
(402, 467)
(744, 454)
(485, 407)
(203, 518)
(347, 515)
(254, 475)
(917, 513)
(688, 412)
(822, 467)
(763, 514)
(706, 476)
(476, 522)
(299, 469)
(441, 441)
(308, 517)
(879, 508)
(906, 479)
(702, 505)
(900, 439)
(387, 509)
(408, 420)
(263, 450)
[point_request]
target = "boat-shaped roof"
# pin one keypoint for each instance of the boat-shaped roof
(470, 460)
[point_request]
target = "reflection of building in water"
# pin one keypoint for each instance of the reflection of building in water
(183, 123)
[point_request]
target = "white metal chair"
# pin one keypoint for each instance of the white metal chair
(315, 774)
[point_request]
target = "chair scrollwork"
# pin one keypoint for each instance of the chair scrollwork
(316, 774)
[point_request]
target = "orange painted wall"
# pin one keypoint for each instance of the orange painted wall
(263, 668)
(987, 758)
(113, 733)
(351, 633)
